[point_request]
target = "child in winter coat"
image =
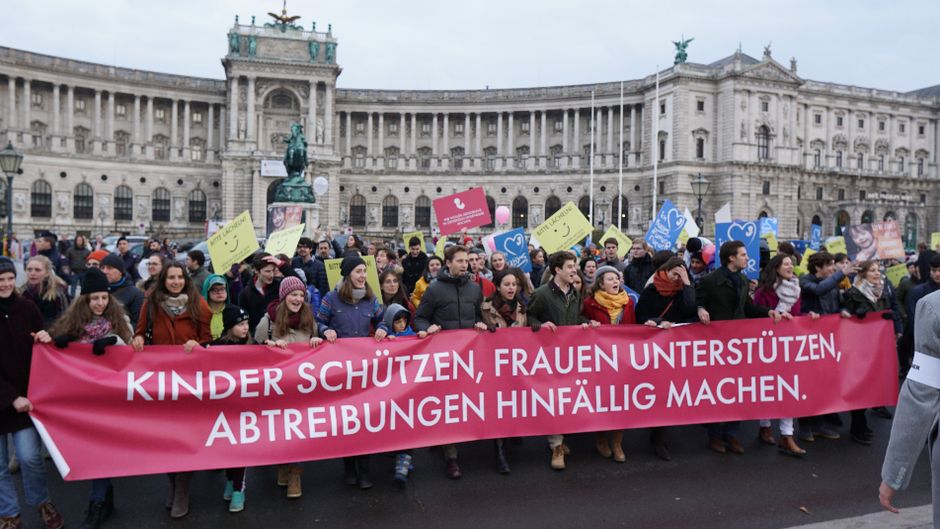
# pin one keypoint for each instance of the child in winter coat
(398, 320)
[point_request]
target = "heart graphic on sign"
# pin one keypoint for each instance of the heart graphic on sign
(459, 204)
(515, 245)
(675, 219)
(746, 232)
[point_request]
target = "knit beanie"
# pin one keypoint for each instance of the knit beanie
(114, 261)
(605, 269)
(232, 315)
(97, 255)
(290, 284)
(94, 281)
(350, 262)
(6, 265)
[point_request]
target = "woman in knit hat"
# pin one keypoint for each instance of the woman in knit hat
(98, 319)
(287, 320)
(343, 314)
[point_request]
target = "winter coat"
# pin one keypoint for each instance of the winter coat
(349, 320)
(21, 318)
(265, 331)
(76, 258)
(419, 289)
(50, 309)
(57, 262)
(535, 276)
(315, 271)
(414, 268)
(718, 295)
(550, 304)
(492, 317)
(821, 295)
(130, 297)
(769, 298)
(255, 303)
(654, 306)
(199, 277)
(592, 310)
(638, 272)
(130, 266)
(175, 330)
(450, 303)
(858, 305)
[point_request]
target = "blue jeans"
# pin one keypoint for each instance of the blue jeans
(74, 281)
(723, 430)
(28, 449)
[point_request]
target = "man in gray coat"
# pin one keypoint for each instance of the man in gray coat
(915, 419)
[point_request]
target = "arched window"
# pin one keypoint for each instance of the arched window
(40, 199)
(520, 212)
(868, 217)
(390, 212)
(423, 212)
(491, 206)
(620, 214)
(842, 221)
(357, 211)
(83, 202)
(584, 204)
(889, 216)
(552, 204)
(197, 206)
(762, 215)
(161, 205)
(123, 203)
(817, 159)
(816, 220)
(763, 143)
(700, 148)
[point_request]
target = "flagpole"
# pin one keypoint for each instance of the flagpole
(620, 177)
(591, 192)
(655, 117)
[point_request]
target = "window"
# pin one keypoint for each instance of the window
(393, 128)
(423, 212)
(159, 114)
(524, 127)
(881, 163)
(424, 158)
(901, 128)
(520, 212)
(489, 158)
(839, 159)
(161, 205)
(458, 129)
(391, 157)
(861, 196)
(662, 187)
(456, 156)
(80, 105)
(80, 134)
(819, 193)
(662, 150)
(491, 128)
(700, 105)
(390, 212)
(425, 128)
(584, 205)
(121, 139)
(817, 159)
(40, 199)
(861, 124)
(901, 164)
(197, 152)
(197, 117)
(120, 109)
(554, 153)
(626, 153)
(522, 154)
(765, 106)
(83, 202)
(359, 157)
(36, 99)
(763, 143)
(357, 211)
(841, 194)
(360, 127)
(861, 161)
(838, 121)
(765, 188)
(197, 206)
(559, 126)
(621, 214)
(491, 207)
(123, 203)
(699, 148)
(160, 150)
(920, 130)
(662, 108)
(920, 167)
(881, 126)
(817, 119)
(552, 205)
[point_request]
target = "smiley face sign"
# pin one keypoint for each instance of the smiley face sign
(232, 243)
(567, 227)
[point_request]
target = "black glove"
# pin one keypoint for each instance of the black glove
(860, 314)
(97, 347)
(491, 328)
(889, 315)
(61, 341)
(536, 327)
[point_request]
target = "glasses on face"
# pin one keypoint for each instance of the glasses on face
(92, 264)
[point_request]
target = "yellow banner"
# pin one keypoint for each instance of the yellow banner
(333, 274)
(836, 245)
(567, 227)
(624, 243)
(232, 243)
(284, 241)
(771, 240)
(407, 237)
(896, 273)
(439, 247)
(934, 240)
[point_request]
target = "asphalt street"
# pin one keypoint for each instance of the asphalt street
(697, 489)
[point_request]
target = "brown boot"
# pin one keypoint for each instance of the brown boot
(11, 522)
(181, 495)
(766, 435)
(282, 471)
(788, 446)
(603, 445)
(50, 516)
(616, 438)
(558, 458)
(168, 503)
(293, 483)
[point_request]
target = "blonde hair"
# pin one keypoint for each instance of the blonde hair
(51, 287)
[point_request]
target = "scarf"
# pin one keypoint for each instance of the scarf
(613, 303)
(358, 294)
(174, 306)
(788, 293)
(95, 329)
(507, 310)
(870, 290)
(293, 318)
(665, 286)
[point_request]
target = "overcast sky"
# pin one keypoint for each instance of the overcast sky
(443, 44)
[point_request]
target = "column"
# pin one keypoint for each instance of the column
(369, 128)
(479, 147)
(252, 119)
(531, 164)
(445, 137)
(174, 129)
(499, 134)
(599, 137)
(576, 140)
(510, 145)
(328, 115)
(135, 150)
(466, 135)
(632, 129)
(380, 150)
(348, 133)
(27, 108)
(542, 150)
(222, 128)
(96, 124)
(187, 155)
(148, 130)
(414, 134)
(56, 122)
(639, 152)
(109, 128)
(210, 127)
(312, 113)
(828, 139)
(610, 134)
(11, 102)
(808, 153)
(564, 131)
(70, 119)
(911, 165)
(434, 151)
(401, 135)
(848, 157)
(232, 110)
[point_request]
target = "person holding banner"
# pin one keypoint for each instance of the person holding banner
(558, 302)
(94, 318)
(434, 266)
(256, 297)
(21, 322)
(352, 310)
(174, 314)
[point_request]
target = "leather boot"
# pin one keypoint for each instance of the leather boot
(168, 503)
(788, 446)
(766, 435)
(603, 445)
(558, 458)
(94, 517)
(11, 522)
(349, 471)
(362, 467)
(50, 516)
(616, 438)
(282, 472)
(294, 489)
(180, 506)
(502, 464)
(108, 507)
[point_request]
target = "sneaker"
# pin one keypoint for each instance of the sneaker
(229, 489)
(402, 467)
(238, 501)
(95, 515)
(827, 433)
(50, 516)
(294, 489)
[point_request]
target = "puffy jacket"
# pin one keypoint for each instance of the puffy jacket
(315, 272)
(130, 296)
(638, 272)
(450, 303)
(255, 303)
(414, 268)
(821, 295)
(347, 319)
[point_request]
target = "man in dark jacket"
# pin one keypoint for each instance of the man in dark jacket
(46, 245)
(130, 262)
(451, 301)
(313, 268)
(611, 255)
(723, 295)
(415, 263)
(122, 287)
(558, 303)
(640, 269)
(262, 290)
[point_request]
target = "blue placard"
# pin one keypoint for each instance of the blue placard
(815, 240)
(745, 232)
(516, 248)
(800, 246)
(633, 295)
(767, 225)
(666, 227)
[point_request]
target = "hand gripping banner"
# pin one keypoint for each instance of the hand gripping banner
(163, 410)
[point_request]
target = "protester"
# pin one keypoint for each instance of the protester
(314, 269)
(44, 288)
(122, 287)
(638, 272)
(384, 260)
(215, 292)
(77, 257)
(154, 267)
(46, 246)
(324, 250)
(95, 318)
(434, 266)
(414, 264)
(130, 262)
(262, 290)
(698, 267)
(537, 258)
(94, 258)
(588, 268)
(393, 291)
(497, 263)
(196, 266)
(174, 314)
(398, 321)
(478, 272)
(611, 257)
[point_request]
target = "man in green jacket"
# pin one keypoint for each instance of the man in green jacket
(553, 304)
(724, 295)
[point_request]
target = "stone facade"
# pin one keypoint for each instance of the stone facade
(180, 150)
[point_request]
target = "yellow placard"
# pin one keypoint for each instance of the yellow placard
(934, 240)
(439, 247)
(407, 237)
(232, 243)
(836, 245)
(284, 241)
(807, 253)
(683, 237)
(896, 273)
(567, 227)
(771, 240)
(624, 243)
(333, 274)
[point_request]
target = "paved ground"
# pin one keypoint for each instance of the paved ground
(699, 489)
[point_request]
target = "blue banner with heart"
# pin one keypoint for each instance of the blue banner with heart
(815, 239)
(768, 225)
(747, 233)
(666, 227)
(516, 248)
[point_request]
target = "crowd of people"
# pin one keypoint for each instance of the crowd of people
(86, 294)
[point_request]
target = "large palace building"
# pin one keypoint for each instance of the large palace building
(114, 149)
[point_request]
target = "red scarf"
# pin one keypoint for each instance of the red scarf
(293, 319)
(665, 286)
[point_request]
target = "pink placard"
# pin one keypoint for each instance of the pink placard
(466, 209)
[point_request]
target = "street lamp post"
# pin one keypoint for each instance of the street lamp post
(10, 160)
(700, 188)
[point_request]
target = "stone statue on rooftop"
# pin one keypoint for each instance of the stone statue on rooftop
(681, 46)
(252, 46)
(295, 188)
(314, 48)
(330, 52)
(234, 43)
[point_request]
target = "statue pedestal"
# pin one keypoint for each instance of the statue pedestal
(281, 214)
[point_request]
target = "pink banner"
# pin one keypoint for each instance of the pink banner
(163, 410)
(466, 209)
